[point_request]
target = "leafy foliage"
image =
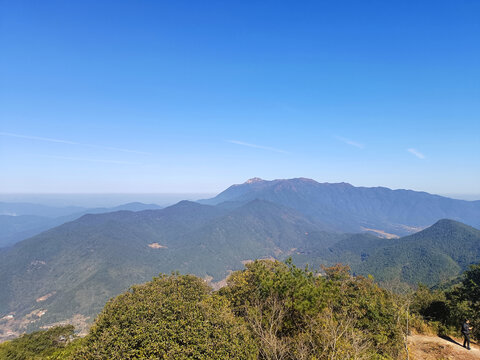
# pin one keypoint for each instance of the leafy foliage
(37, 345)
(171, 317)
(296, 314)
(269, 310)
(451, 306)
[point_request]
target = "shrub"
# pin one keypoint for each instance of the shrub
(171, 317)
(295, 314)
(37, 345)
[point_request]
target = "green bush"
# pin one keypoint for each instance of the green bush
(37, 345)
(447, 309)
(171, 317)
(295, 314)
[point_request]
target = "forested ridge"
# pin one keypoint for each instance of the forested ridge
(269, 310)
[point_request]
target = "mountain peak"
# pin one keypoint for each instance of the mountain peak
(446, 222)
(254, 180)
(449, 223)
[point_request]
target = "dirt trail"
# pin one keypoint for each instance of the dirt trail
(428, 347)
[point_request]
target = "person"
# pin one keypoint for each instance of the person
(466, 333)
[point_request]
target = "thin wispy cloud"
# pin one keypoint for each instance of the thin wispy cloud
(38, 138)
(350, 142)
(69, 158)
(117, 149)
(242, 143)
(417, 153)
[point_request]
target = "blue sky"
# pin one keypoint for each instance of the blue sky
(192, 96)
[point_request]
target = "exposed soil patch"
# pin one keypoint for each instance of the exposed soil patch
(427, 347)
(381, 233)
(44, 297)
(156, 246)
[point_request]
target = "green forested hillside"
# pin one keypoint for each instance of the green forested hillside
(19, 221)
(16, 228)
(77, 267)
(432, 256)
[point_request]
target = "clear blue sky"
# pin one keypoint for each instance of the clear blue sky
(192, 96)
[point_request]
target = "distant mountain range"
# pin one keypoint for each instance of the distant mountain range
(73, 269)
(24, 208)
(19, 221)
(342, 207)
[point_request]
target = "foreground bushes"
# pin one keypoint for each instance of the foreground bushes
(294, 314)
(171, 317)
(270, 310)
(38, 345)
(447, 309)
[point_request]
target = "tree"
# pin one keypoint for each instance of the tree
(297, 314)
(469, 292)
(451, 306)
(37, 345)
(171, 317)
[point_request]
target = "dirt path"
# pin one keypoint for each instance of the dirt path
(427, 347)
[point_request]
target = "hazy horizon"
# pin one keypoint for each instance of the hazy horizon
(101, 200)
(162, 199)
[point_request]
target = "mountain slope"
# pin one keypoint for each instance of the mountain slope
(345, 208)
(258, 229)
(434, 255)
(14, 228)
(76, 267)
(431, 256)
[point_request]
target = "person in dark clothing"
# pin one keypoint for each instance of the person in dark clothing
(466, 333)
